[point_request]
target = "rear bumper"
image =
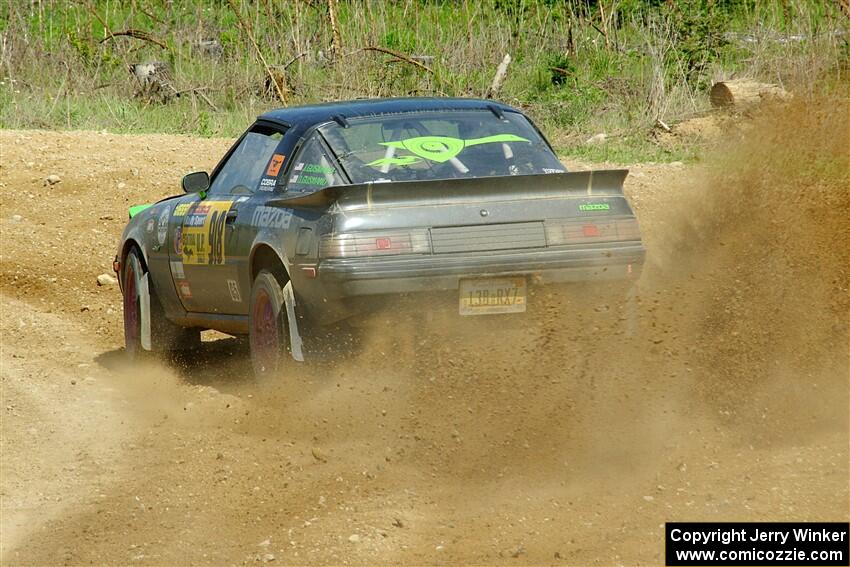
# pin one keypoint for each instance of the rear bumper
(412, 274)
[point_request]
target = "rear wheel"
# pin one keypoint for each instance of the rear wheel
(165, 335)
(268, 331)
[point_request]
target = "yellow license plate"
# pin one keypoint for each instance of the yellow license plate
(487, 296)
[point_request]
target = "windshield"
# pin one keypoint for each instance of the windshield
(444, 145)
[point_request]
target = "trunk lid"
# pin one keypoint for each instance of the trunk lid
(512, 209)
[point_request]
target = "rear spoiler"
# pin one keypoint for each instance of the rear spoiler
(454, 191)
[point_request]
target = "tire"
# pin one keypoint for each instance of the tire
(132, 311)
(268, 327)
(165, 335)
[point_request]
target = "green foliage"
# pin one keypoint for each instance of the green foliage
(580, 67)
(403, 40)
(561, 69)
(83, 46)
(627, 151)
(699, 27)
(204, 124)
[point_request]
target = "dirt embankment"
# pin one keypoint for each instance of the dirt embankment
(569, 438)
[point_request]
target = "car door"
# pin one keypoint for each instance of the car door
(294, 230)
(206, 254)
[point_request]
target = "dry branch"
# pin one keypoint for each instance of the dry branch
(94, 13)
(499, 77)
(562, 71)
(147, 13)
(395, 54)
(262, 59)
(136, 34)
(293, 60)
(844, 6)
(336, 42)
(200, 92)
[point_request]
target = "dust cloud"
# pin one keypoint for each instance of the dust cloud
(715, 389)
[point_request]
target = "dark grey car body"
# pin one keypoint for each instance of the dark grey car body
(203, 250)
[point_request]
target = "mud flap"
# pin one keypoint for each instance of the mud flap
(145, 312)
(295, 342)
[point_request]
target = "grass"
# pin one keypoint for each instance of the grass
(578, 68)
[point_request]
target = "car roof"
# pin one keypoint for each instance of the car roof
(310, 115)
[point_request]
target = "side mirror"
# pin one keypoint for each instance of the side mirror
(196, 182)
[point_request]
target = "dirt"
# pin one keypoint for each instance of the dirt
(720, 392)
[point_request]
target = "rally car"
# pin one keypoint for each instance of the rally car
(315, 210)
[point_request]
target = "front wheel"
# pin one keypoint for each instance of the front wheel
(165, 335)
(268, 331)
(132, 310)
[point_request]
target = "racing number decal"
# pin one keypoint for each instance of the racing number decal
(216, 237)
(203, 233)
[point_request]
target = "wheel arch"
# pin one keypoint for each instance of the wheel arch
(265, 256)
(126, 246)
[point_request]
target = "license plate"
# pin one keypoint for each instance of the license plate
(487, 296)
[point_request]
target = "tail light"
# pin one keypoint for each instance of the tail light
(578, 231)
(377, 243)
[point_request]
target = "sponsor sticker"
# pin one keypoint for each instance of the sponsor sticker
(178, 241)
(195, 220)
(235, 296)
(177, 270)
(274, 165)
(268, 184)
(184, 289)
(162, 227)
(271, 217)
(181, 209)
(203, 234)
(149, 225)
(594, 207)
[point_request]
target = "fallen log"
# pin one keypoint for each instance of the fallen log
(743, 93)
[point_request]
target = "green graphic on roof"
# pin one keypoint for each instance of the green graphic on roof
(438, 148)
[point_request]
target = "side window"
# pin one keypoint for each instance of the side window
(245, 167)
(313, 168)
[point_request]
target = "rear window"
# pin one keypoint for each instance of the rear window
(444, 145)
